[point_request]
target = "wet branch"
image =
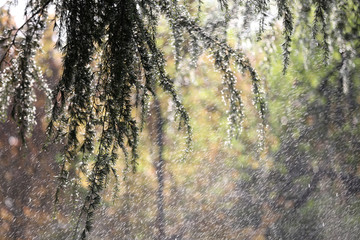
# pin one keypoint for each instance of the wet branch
(39, 11)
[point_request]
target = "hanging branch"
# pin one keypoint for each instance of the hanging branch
(19, 79)
(40, 11)
(239, 58)
(285, 13)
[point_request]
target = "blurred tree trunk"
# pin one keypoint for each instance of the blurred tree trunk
(157, 129)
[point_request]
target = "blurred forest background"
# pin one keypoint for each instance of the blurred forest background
(301, 181)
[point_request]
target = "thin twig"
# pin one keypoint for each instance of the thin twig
(40, 10)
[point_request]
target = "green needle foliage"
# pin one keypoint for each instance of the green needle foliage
(112, 66)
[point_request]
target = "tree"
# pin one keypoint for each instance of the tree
(118, 67)
(310, 160)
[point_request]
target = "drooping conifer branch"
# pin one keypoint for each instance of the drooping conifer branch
(222, 60)
(19, 80)
(321, 12)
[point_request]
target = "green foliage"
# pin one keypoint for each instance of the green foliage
(19, 79)
(112, 65)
